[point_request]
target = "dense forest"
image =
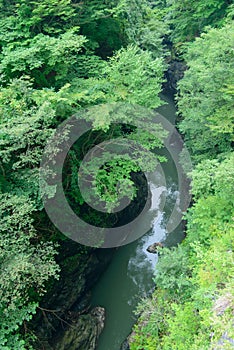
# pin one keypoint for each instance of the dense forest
(58, 57)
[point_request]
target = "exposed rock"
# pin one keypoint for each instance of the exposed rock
(153, 248)
(125, 345)
(67, 302)
(222, 303)
(225, 342)
(174, 73)
(64, 319)
(83, 333)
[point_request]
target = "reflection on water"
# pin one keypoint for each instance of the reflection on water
(129, 277)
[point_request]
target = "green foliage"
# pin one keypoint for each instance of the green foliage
(21, 19)
(182, 326)
(142, 78)
(45, 58)
(10, 324)
(27, 261)
(197, 287)
(205, 96)
(151, 323)
(219, 125)
(42, 39)
(214, 177)
(213, 210)
(120, 159)
(144, 25)
(25, 268)
(60, 56)
(24, 113)
(189, 18)
(211, 273)
(173, 271)
(21, 123)
(131, 75)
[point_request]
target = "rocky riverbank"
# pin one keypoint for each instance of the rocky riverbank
(64, 319)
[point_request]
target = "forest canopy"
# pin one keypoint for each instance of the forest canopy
(59, 56)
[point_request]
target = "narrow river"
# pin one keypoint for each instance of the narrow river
(129, 277)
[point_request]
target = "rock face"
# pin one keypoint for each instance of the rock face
(83, 333)
(223, 303)
(125, 346)
(64, 319)
(174, 73)
(153, 248)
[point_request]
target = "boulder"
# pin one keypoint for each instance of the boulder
(153, 248)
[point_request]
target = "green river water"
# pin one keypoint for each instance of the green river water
(129, 277)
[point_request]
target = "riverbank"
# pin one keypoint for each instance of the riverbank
(65, 318)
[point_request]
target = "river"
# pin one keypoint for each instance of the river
(129, 277)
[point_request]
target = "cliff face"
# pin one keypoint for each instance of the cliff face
(83, 332)
(64, 319)
(174, 73)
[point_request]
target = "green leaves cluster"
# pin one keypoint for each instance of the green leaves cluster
(188, 19)
(205, 101)
(27, 260)
(46, 59)
(135, 76)
(145, 25)
(25, 267)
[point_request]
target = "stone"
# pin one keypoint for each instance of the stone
(65, 310)
(83, 333)
(153, 248)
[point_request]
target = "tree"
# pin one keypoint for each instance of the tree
(25, 267)
(43, 39)
(188, 19)
(205, 99)
(144, 25)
